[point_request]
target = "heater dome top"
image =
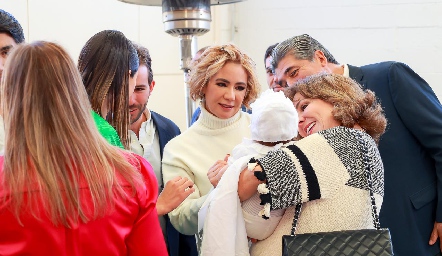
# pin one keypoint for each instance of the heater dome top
(159, 2)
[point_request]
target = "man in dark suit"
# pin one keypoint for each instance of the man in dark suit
(150, 132)
(411, 148)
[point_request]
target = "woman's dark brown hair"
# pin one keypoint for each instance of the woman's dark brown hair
(104, 65)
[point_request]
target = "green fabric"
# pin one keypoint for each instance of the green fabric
(107, 131)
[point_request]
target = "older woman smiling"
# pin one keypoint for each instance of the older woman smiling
(325, 170)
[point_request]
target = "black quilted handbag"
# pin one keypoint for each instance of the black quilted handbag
(364, 242)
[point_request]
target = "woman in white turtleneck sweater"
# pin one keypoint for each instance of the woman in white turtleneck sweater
(224, 79)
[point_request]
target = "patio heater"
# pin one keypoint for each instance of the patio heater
(185, 19)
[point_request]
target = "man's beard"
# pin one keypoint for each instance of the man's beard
(141, 111)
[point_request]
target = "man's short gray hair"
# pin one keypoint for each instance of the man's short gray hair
(302, 47)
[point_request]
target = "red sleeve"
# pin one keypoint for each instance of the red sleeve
(146, 237)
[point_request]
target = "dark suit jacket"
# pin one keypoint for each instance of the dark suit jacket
(411, 150)
(177, 243)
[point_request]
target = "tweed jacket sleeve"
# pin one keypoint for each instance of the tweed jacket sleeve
(314, 167)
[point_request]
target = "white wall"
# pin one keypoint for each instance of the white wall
(356, 32)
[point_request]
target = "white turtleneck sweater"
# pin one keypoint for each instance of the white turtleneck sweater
(193, 152)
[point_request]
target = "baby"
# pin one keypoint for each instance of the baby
(274, 123)
(223, 221)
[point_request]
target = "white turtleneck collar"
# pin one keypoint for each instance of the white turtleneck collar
(210, 121)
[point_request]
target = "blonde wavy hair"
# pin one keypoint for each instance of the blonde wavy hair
(351, 104)
(52, 147)
(212, 60)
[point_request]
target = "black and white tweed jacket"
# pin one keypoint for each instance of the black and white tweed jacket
(326, 172)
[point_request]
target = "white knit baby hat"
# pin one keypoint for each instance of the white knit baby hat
(274, 118)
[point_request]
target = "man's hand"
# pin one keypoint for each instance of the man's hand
(217, 170)
(437, 233)
(173, 194)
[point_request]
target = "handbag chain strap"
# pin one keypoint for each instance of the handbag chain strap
(374, 213)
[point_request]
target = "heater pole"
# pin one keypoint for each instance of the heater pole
(187, 20)
(187, 50)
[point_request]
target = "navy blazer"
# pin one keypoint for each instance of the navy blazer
(177, 243)
(411, 150)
